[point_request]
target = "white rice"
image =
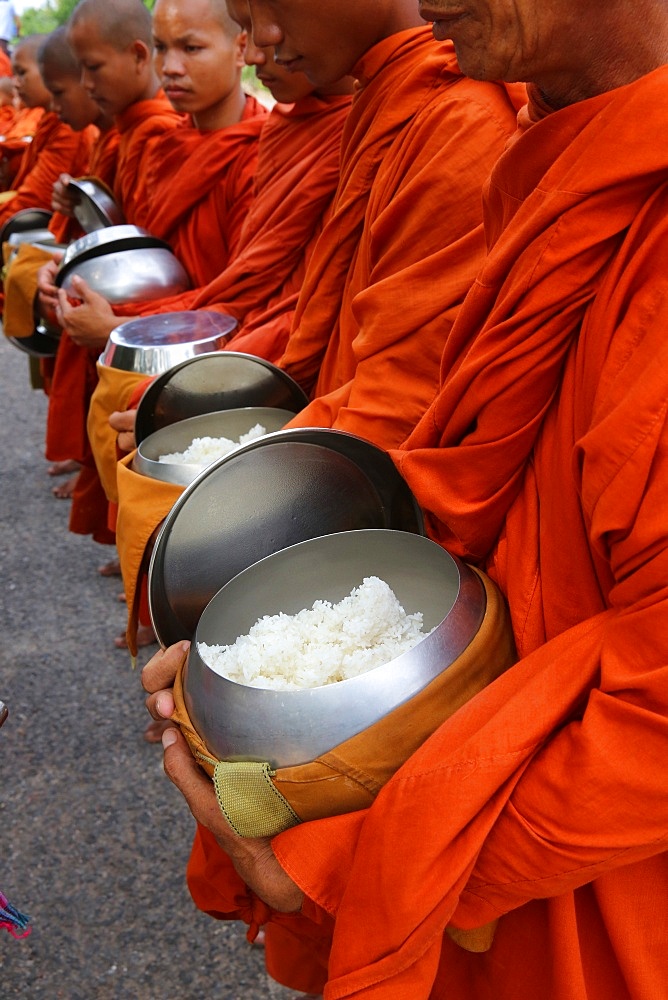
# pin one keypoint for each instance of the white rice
(205, 450)
(320, 645)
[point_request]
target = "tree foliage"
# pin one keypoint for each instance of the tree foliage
(42, 20)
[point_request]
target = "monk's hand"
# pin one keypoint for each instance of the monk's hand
(253, 858)
(85, 314)
(61, 199)
(47, 290)
(123, 421)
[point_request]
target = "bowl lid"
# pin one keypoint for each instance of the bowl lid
(102, 241)
(281, 489)
(23, 220)
(96, 207)
(221, 380)
(167, 330)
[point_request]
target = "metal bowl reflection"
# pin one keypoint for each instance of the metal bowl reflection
(154, 344)
(125, 264)
(231, 424)
(288, 486)
(288, 728)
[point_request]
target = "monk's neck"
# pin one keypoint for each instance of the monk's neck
(626, 56)
(224, 113)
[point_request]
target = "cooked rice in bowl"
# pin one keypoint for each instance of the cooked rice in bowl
(322, 644)
(206, 450)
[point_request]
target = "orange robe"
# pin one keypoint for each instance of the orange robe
(544, 458)
(370, 325)
(298, 169)
(55, 148)
(14, 139)
(297, 174)
(200, 185)
(74, 380)
(138, 126)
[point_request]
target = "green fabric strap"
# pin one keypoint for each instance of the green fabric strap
(250, 801)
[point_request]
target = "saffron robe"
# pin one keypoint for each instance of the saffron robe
(55, 149)
(542, 802)
(13, 141)
(138, 125)
(199, 185)
(371, 320)
(298, 168)
(386, 279)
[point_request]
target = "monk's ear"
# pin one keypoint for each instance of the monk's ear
(141, 53)
(240, 45)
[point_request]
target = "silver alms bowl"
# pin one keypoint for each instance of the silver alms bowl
(287, 728)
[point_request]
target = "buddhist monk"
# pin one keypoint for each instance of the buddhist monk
(73, 369)
(54, 148)
(297, 174)
(537, 813)
(355, 320)
(198, 58)
(113, 42)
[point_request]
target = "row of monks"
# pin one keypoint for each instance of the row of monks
(450, 234)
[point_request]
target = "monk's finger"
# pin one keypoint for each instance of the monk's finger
(160, 706)
(197, 789)
(126, 441)
(123, 420)
(160, 671)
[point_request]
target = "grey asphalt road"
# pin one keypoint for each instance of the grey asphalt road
(93, 837)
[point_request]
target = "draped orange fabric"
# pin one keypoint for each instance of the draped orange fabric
(199, 187)
(296, 176)
(14, 140)
(55, 149)
(74, 381)
(7, 118)
(142, 122)
(370, 324)
(387, 277)
(544, 458)
(75, 374)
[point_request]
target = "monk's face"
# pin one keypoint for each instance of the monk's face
(283, 85)
(71, 102)
(513, 40)
(28, 81)
(113, 77)
(324, 39)
(198, 61)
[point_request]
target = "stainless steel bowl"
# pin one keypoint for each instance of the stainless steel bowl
(177, 437)
(125, 264)
(153, 344)
(286, 487)
(96, 207)
(222, 380)
(292, 727)
(24, 220)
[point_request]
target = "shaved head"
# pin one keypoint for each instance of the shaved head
(30, 46)
(56, 57)
(218, 8)
(118, 22)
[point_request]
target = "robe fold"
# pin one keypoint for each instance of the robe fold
(370, 323)
(138, 126)
(55, 149)
(199, 188)
(544, 458)
(13, 141)
(297, 173)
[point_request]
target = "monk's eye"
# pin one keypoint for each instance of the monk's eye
(193, 48)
